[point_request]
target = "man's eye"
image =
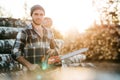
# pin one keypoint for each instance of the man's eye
(41, 14)
(35, 14)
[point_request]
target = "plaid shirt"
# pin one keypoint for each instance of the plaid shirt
(30, 45)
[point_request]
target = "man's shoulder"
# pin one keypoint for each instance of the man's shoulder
(26, 28)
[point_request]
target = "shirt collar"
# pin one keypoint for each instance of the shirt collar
(30, 26)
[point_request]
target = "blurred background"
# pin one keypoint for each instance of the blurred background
(93, 24)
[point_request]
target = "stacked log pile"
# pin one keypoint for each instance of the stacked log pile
(7, 22)
(9, 28)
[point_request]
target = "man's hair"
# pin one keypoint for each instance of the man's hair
(36, 7)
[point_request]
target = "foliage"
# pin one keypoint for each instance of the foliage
(103, 43)
(108, 11)
(57, 34)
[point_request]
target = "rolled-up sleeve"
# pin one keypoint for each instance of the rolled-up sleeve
(20, 42)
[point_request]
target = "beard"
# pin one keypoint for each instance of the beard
(36, 23)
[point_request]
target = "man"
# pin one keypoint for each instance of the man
(47, 23)
(32, 43)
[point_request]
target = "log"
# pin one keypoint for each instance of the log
(9, 32)
(6, 46)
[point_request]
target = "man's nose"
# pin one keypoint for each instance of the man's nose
(39, 16)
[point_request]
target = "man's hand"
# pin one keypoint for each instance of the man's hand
(30, 66)
(77, 58)
(72, 61)
(53, 59)
(51, 51)
(34, 67)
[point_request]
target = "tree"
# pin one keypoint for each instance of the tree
(5, 13)
(1, 11)
(109, 11)
(26, 11)
(57, 34)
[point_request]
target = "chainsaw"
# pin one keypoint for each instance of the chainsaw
(47, 71)
(56, 59)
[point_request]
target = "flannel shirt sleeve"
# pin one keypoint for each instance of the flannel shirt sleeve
(19, 45)
(52, 41)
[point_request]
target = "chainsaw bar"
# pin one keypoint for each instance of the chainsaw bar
(73, 53)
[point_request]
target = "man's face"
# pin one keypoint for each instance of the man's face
(47, 23)
(38, 16)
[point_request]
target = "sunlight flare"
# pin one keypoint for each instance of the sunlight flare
(75, 13)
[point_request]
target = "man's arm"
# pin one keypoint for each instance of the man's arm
(26, 63)
(18, 51)
(52, 41)
(52, 44)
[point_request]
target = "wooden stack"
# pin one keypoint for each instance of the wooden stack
(9, 28)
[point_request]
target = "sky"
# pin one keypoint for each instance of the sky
(65, 14)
